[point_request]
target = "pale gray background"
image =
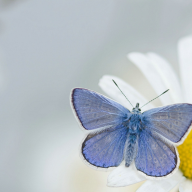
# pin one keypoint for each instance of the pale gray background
(47, 47)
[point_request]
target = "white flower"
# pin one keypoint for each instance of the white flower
(161, 77)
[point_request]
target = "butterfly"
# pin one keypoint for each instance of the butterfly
(115, 133)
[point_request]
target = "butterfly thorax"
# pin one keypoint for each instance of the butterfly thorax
(135, 120)
(134, 123)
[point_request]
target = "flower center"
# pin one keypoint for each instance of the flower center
(185, 154)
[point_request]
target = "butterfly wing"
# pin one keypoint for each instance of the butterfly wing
(105, 148)
(156, 157)
(95, 111)
(172, 121)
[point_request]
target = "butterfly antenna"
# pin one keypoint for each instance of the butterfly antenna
(156, 97)
(121, 91)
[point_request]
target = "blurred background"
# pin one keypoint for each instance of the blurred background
(48, 47)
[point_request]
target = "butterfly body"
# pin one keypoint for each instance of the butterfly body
(115, 134)
(134, 126)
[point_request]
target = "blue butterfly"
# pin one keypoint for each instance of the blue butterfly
(147, 138)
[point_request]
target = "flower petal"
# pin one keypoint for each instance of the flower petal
(124, 176)
(185, 186)
(185, 61)
(168, 76)
(134, 96)
(147, 67)
(164, 185)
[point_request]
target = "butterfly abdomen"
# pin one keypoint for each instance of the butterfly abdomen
(130, 148)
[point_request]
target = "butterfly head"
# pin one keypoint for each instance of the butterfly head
(136, 109)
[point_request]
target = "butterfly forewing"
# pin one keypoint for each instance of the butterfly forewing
(95, 111)
(155, 157)
(172, 121)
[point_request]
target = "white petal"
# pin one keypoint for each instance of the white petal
(168, 76)
(185, 61)
(134, 96)
(146, 66)
(164, 185)
(186, 186)
(123, 176)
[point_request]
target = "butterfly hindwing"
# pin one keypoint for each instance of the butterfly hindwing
(105, 148)
(156, 157)
(95, 111)
(172, 121)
